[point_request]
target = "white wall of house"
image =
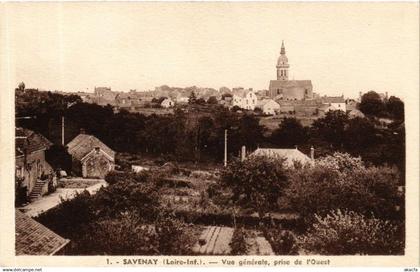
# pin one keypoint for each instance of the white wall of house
(248, 102)
(167, 103)
(271, 107)
(337, 106)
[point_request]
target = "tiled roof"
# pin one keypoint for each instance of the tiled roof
(279, 84)
(26, 139)
(82, 144)
(33, 238)
(242, 92)
(290, 154)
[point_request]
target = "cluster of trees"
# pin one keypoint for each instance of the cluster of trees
(184, 136)
(199, 136)
(365, 137)
(373, 105)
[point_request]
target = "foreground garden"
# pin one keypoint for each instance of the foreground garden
(336, 206)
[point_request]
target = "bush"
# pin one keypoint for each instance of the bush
(70, 216)
(283, 242)
(341, 162)
(172, 236)
(256, 182)
(238, 243)
(115, 176)
(350, 233)
(125, 196)
(123, 235)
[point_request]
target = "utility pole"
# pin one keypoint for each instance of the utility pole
(225, 160)
(68, 105)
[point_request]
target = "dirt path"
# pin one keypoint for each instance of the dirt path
(50, 201)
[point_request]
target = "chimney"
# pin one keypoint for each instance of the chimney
(82, 131)
(312, 153)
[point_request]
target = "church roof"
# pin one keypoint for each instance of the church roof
(82, 144)
(279, 84)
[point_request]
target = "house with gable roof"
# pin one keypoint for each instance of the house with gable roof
(269, 106)
(90, 156)
(32, 171)
(334, 102)
(245, 99)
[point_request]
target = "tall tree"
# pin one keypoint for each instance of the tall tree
(331, 128)
(371, 104)
(395, 107)
(289, 133)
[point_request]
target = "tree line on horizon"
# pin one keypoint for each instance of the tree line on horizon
(197, 136)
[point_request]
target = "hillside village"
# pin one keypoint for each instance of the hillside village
(199, 171)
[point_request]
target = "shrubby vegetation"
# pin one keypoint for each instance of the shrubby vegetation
(238, 243)
(282, 241)
(124, 218)
(255, 182)
(343, 182)
(368, 194)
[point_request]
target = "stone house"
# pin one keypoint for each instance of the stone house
(31, 169)
(90, 157)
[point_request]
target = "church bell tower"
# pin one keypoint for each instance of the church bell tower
(282, 64)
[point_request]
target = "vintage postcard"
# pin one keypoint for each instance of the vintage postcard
(269, 134)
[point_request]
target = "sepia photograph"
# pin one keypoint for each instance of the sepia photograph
(211, 129)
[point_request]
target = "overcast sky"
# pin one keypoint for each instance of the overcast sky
(342, 48)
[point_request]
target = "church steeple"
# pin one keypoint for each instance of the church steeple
(283, 49)
(282, 64)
